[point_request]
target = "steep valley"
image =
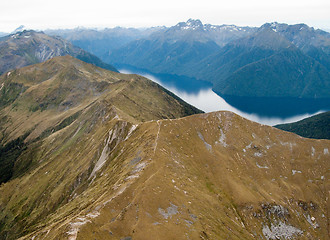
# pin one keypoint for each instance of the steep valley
(275, 60)
(102, 155)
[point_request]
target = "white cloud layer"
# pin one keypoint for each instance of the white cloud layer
(43, 14)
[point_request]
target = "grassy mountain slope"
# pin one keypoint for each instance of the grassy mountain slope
(209, 176)
(317, 126)
(94, 157)
(30, 47)
(40, 99)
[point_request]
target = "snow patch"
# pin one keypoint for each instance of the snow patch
(73, 232)
(311, 221)
(295, 171)
(289, 144)
(131, 131)
(208, 146)
(80, 221)
(261, 166)
(115, 134)
(179, 163)
(280, 230)
(93, 214)
(313, 152)
(268, 147)
(120, 191)
(139, 167)
(222, 139)
(132, 177)
(170, 211)
(258, 154)
(104, 156)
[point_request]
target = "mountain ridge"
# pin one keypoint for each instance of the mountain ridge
(164, 183)
(87, 153)
(39, 99)
(188, 49)
(30, 47)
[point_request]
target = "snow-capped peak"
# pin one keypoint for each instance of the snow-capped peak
(20, 29)
(191, 24)
(274, 24)
(194, 23)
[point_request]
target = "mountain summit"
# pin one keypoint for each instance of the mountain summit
(191, 24)
(276, 60)
(175, 49)
(20, 29)
(29, 47)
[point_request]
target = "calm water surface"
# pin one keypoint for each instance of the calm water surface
(265, 111)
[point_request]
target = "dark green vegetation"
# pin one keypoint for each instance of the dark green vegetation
(267, 64)
(317, 126)
(8, 156)
(176, 49)
(179, 54)
(275, 60)
(30, 47)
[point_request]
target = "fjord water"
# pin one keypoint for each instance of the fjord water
(268, 111)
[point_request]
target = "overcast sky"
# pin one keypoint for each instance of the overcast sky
(43, 14)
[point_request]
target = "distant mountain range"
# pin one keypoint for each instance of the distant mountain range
(102, 42)
(29, 47)
(183, 44)
(87, 153)
(275, 60)
(268, 64)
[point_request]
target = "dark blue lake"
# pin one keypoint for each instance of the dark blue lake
(269, 111)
